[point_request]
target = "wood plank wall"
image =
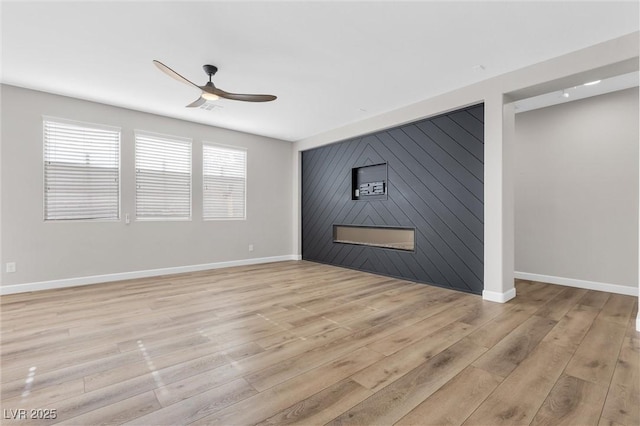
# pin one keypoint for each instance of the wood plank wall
(435, 184)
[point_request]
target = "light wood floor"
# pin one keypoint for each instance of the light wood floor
(298, 342)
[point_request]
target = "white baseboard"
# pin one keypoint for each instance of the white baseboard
(571, 282)
(494, 296)
(96, 279)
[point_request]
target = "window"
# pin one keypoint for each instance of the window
(224, 173)
(81, 171)
(163, 177)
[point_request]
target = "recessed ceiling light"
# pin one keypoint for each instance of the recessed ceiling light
(591, 83)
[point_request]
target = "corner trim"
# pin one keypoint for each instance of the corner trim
(494, 296)
(638, 322)
(97, 279)
(571, 282)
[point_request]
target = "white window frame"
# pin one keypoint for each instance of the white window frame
(169, 138)
(95, 126)
(246, 161)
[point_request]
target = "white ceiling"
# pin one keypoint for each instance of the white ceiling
(329, 63)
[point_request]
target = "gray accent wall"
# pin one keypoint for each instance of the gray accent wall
(435, 185)
(576, 191)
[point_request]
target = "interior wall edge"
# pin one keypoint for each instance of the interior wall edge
(498, 297)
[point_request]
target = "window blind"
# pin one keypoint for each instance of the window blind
(81, 171)
(163, 177)
(224, 182)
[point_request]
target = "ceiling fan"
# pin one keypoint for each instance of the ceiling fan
(209, 91)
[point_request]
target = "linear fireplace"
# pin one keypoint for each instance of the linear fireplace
(388, 237)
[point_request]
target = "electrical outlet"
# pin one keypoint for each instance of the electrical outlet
(11, 266)
(250, 247)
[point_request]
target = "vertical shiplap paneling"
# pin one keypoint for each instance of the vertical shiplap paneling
(435, 184)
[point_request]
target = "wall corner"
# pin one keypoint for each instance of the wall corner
(498, 297)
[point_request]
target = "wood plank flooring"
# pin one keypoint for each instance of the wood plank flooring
(305, 343)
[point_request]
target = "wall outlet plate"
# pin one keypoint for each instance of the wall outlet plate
(11, 267)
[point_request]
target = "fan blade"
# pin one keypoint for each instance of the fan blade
(171, 73)
(248, 98)
(197, 102)
(237, 96)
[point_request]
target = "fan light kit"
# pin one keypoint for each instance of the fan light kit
(209, 91)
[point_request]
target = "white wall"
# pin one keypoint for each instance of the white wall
(576, 189)
(45, 251)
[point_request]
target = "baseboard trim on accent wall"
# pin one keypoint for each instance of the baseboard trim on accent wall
(97, 279)
(571, 282)
(494, 296)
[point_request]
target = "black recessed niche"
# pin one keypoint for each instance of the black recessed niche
(369, 182)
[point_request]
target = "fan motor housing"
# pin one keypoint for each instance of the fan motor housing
(210, 69)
